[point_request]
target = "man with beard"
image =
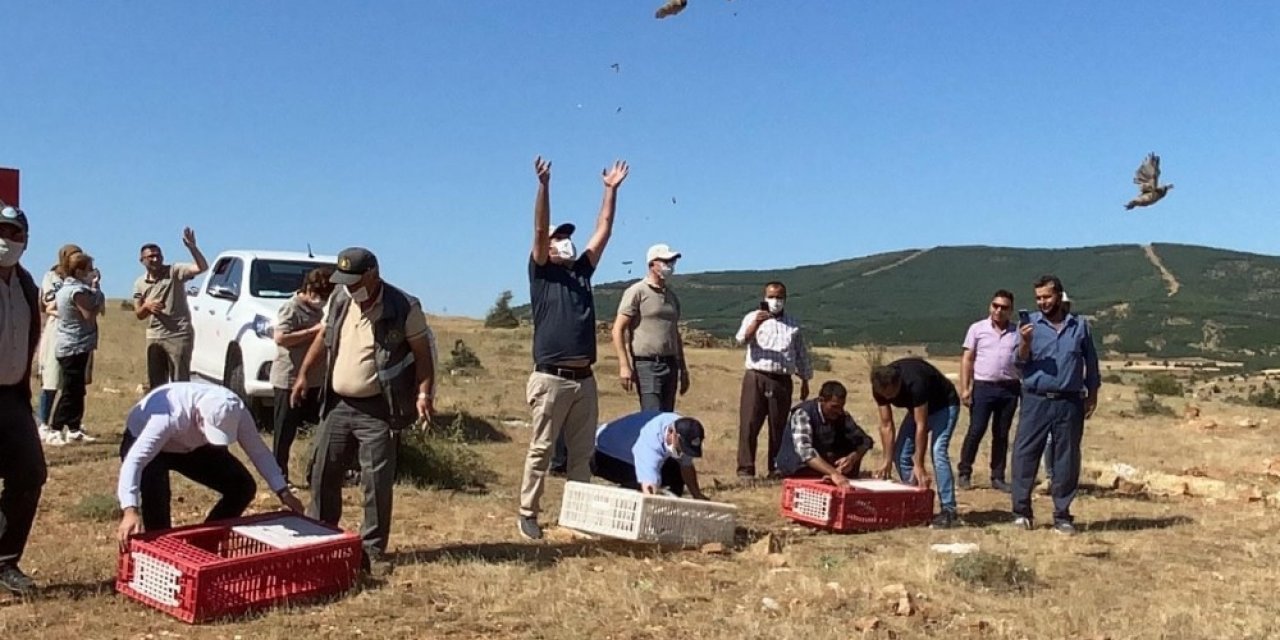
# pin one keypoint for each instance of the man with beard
(562, 389)
(1058, 363)
(160, 298)
(822, 439)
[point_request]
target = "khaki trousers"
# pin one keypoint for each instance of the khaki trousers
(558, 404)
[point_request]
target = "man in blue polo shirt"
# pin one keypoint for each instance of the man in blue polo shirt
(650, 451)
(1058, 363)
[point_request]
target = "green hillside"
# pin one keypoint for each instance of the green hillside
(1225, 304)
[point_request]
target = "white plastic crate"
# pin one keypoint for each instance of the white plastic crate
(632, 515)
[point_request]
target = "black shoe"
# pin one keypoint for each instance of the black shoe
(560, 471)
(1000, 485)
(351, 478)
(1065, 528)
(17, 582)
(528, 527)
(944, 520)
(965, 483)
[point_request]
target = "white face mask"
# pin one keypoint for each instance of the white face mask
(666, 269)
(775, 305)
(11, 252)
(360, 296)
(565, 249)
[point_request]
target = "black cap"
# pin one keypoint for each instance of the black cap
(353, 263)
(691, 433)
(563, 230)
(13, 216)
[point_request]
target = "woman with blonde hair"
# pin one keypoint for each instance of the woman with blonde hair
(46, 362)
(79, 303)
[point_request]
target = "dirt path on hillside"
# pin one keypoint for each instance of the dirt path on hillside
(898, 263)
(1171, 283)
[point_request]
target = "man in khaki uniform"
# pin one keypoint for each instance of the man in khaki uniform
(646, 335)
(160, 299)
(380, 379)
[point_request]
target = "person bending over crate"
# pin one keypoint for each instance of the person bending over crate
(822, 440)
(187, 427)
(650, 451)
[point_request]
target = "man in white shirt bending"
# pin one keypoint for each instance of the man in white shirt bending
(188, 427)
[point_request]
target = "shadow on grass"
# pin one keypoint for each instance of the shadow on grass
(987, 518)
(64, 592)
(539, 555)
(1136, 524)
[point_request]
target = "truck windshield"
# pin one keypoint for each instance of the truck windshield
(278, 278)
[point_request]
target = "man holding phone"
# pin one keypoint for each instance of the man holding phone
(776, 351)
(1058, 363)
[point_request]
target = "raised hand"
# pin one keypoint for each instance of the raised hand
(543, 169)
(613, 176)
(188, 238)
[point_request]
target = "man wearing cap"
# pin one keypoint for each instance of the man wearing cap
(822, 439)
(23, 468)
(562, 390)
(380, 379)
(188, 427)
(650, 451)
(159, 297)
(646, 335)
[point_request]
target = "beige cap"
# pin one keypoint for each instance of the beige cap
(661, 252)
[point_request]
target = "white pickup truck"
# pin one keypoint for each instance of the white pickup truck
(233, 313)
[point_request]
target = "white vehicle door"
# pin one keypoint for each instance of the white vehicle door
(212, 326)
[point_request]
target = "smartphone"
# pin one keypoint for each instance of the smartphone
(764, 306)
(1023, 317)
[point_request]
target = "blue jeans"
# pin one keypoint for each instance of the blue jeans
(942, 423)
(44, 410)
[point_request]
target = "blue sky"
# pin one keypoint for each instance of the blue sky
(793, 132)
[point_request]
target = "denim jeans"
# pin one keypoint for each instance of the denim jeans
(656, 384)
(942, 423)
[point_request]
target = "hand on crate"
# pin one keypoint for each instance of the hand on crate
(130, 525)
(922, 478)
(651, 489)
(884, 472)
(291, 501)
(838, 480)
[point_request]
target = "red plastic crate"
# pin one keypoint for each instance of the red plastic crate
(207, 571)
(821, 504)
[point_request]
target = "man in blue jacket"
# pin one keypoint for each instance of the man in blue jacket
(650, 451)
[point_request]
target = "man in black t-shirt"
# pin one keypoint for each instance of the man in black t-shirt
(562, 388)
(932, 410)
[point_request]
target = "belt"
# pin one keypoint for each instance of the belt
(776, 375)
(568, 373)
(1057, 395)
(998, 383)
(666, 359)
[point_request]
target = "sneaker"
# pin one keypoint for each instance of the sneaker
(1023, 522)
(1065, 528)
(528, 527)
(964, 483)
(1000, 485)
(79, 436)
(17, 582)
(944, 520)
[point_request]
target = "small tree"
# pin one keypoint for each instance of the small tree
(501, 316)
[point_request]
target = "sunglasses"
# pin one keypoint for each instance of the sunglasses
(1003, 307)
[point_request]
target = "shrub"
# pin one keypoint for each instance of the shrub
(874, 355)
(1266, 398)
(98, 507)
(1112, 378)
(440, 460)
(1147, 405)
(464, 360)
(993, 572)
(1162, 385)
(501, 316)
(820, 361)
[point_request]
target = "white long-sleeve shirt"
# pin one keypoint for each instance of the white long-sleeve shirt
(166, 421)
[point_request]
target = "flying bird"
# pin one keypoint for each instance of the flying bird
(671, 8)
(616, 67)
(673, 199)
(1147, 177)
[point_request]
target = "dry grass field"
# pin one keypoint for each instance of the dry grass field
(1144, 566)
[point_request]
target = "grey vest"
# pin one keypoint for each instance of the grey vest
(397, 373)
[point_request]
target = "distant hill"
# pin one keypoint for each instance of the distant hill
(1206, 301)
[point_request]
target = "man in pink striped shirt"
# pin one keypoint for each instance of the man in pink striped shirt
(989, 386)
